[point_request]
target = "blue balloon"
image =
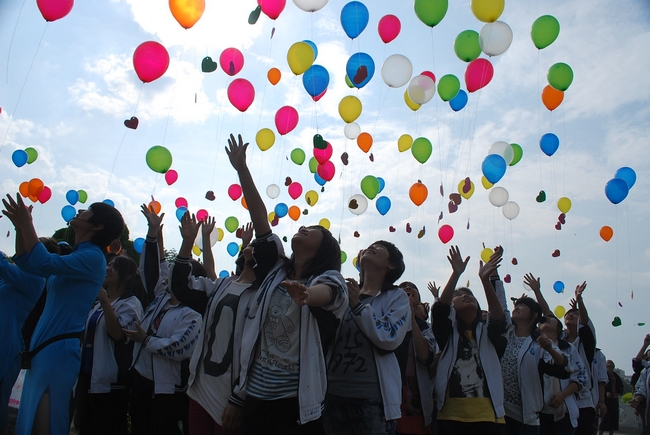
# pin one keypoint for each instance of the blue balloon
(383, 205)
(109, 202)
(224, 274)
(315, 80)
(354, 18)
(494, 168)
(626, 174)
(459, 101)
(138, 244)
(180, 212)
(232, 248)
(549, 143)
(616, 190)
(318, 179)
(558, 286)
(360, 69)
(72, 196)
(19, 157)
(382, 184)
(281, 210)
(313, 47)
(68, 212)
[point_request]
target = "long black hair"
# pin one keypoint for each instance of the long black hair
(108, 216)
(327, 256)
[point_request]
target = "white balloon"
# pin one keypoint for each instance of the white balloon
(421, 89)
(357, 204)
(511, 210)
(310, 5)
(396, 71)
(273, 191)
(498, 196)
(504, 149)
(352, 130)
(495, 38)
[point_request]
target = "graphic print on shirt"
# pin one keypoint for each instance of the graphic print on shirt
(349, 347)
(278, 325)
(219, 357)
(467, 377)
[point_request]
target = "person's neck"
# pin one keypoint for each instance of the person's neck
(373, 282)
(115, 292)
(247, 275)
(299, 262)
(571, 334)
(467, 318)
(524, 330)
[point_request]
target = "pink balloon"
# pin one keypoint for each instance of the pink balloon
(478, 74)
(202, 215)
(295, 190)
(231, 61)
(45, 195)
(326, 171)
(323, 155)
(241, 94)
(446, 233)
(150, 61)
(171, 176)
(286, 119)
(429, 74)
(180, 202)
(272, 8)
(53, 10)
(389, 27)
(234, 192)
(319, 96)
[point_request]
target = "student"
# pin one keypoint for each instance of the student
(641, 391)
(613, 389)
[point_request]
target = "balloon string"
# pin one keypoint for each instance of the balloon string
(11, 44)
(539, 123)
(216, 139)
(171, 97)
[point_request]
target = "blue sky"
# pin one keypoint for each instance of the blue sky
(67, 87)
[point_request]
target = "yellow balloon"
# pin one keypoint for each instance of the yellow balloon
(300, 57)
(325, 223)
(196, 250)
(564, 204)
(487, 11)
(486, 253)
(354, 261)
(271, 216)
(404, 142)
(265, 138)
(311, 197)
(485, 182)
(559, 311)
(350, 108)
(412, 104)
(220, 234)
(466, 195)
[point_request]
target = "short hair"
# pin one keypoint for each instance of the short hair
(532, 305)
(198, 269)
(395, 258)
(404, 284)
(108, 216)
(125, 266)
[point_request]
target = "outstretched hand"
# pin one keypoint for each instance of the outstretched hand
(153, 220)
(236, 152)
(434, 289)
(189, 227)
(207, 226)
(246, 234)
(579, 290)
(456, 260)
(297, 291)
(532, 282)
(17, 212)
(486, 270)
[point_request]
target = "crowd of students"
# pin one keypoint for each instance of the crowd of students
(286, 345)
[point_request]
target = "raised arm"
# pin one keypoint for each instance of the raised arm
(485, 271)
(582, 310)
(21, 217)
(208, 257)
(150, 259)
(536, 286)
(458, 266)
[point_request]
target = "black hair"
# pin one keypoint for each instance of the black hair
(560, 326)
(395, 258)
(64, 248)
(126, 268)
(405, 284)
(108, 216)
(50, 244)
(327, 256)
(532, 305)
(198, 269)
(479, 312)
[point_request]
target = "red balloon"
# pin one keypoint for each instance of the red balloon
(231, 61)
(272, 8)
(478, 74)
(241, 94)
(286, 119)
(53, 10)
(445, 233)
(46, 194)
(150, 61)
(171, 176)
(389, 27)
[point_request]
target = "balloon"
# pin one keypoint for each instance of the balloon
(72, 196)
(445, 233)
(616, 190)
(171, 176)
(518, 153)
(318, 178)
(272, 8)
(154, 207)
(396, 71)
(421, 89)
(466, 188)
(410, 103)
(265, 138)
(494, 168)
(326, 171)
(313, 47)
(24, 189)
(187, 12)
(298, 156)
(448, 87)
(202, 215)
(32, 155)
(606, 233)
(495, 38)
(418, 193)
(234, 192)
(180, 202)
(295, 190)
(626, 174)
(241, 94)
(404, 142)
(466, 45)
(487, 11)
(286, 119)
(498, 196)
(364, 140)
(504, 150)
(294, 212)
(549, 143)
(150, 61)
(370, 186)
(486, 253)
(382, 184)
(300, 57)
(319, 142)
(510, 210)
(559, 311)
(220, 235)
(551, 97)
(350, 108)
(431, 12)
(159, 159)
(478, 74)
(315, 80)
(274, 76)
(281, 210)
(389, 27)
(383, 205)
(310, 5)
(180, 212)
(68, 212)
(232, 248)
(558, 286)
(344, 257)
(19, 157)
(360, 68)
(421, 149)
(313, 165)
(352, 130)
(35, 187)
(545, 31)
(354, 18)
(231, 224)
(323, 155)
(485, 183)
(273, 191)
(138, 244)
(325, 223)
(311, 198)
(564, 204)
(560, 76)
(45, 195)
(53, 10)
(459, 101)
(357, 204)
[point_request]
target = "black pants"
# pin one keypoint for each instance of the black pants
(451, 427)
(156, 414)
(586, 422)
(100, 414)
(276, 417)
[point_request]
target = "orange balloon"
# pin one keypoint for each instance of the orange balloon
(35, 186)
(243, 203)
(606, 233)
(24, 189)
(294, 212)
(187, 12)
(154, 207)
(364, 140)
(418, 193)
(552, 98)
(274, 76)
(33, 198)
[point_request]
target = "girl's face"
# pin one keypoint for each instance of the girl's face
(112, 275)
(550, 328)
(464, 300)
(376, 255)
(307, 238)
(521, 313)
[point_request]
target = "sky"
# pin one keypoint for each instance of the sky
(68, 86)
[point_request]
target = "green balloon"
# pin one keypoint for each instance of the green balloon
(545, 31)
(560, 76)
(448, 87)
(370, 186)
(32, 155)
(344, 257)
(313, 165)
(231, 224)
(159, 159)
(431, 12)
(466, 45)
(421, 149)
(83, 196)
(348, 82)
(298, 156)
(519, 153)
